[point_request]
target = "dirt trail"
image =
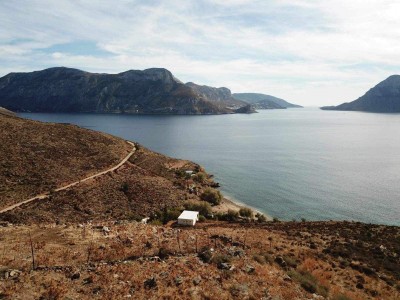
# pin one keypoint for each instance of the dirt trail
(46, 195)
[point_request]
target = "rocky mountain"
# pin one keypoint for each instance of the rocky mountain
(152, 91)
(383, 98)
(221, 96)
(262, 101)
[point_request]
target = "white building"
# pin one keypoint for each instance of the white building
(188, 218)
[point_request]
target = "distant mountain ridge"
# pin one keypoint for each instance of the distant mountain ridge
(262, 101)
(151, 91)
(383, 98)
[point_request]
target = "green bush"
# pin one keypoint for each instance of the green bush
(200, 177)
(246, 212)
(261, 218)
(180, 173)
(205, 255)
(125, 187)
(232, 215)
(221, 258)
(203, 207)
(202, 218)
(260, 259)
(212, 196)
(309, 282)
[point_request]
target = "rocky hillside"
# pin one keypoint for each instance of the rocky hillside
(152, 91)
(383, 98)
(222, 96)
(214, 260)
(37, 158)
(262, 101)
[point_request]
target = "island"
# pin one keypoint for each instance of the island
(383, 98)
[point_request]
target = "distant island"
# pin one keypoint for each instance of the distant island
(262, 101)
(383, 98)
(152, 91)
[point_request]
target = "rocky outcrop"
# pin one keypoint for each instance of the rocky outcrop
(247, 109)
(383, 98)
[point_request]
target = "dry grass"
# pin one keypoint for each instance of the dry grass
(116, 264)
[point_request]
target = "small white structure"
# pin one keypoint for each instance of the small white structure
(188, 218)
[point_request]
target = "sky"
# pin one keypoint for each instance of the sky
(309, 52)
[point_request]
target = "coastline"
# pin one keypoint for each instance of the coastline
(228, 203)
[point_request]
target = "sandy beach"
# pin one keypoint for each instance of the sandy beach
(228, 204)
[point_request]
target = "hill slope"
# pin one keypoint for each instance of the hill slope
(37, 157)
(152, 91)
(264, 100)
(384, 98)
(6, 112)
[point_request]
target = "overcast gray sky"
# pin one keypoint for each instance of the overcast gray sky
(309, 52)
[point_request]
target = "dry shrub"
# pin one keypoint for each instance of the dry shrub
(55, 291)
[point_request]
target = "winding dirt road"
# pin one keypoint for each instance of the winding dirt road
(47, 195)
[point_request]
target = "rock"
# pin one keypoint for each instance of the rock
(281, 262)
(239, 290)
(150, 283)
(225, 266)
(88, 280)
(178, 280)
(105, 229)
(250, 269)
(197, 280)
(287, 278)
(12, 274)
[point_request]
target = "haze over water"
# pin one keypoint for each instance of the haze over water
(294, 163)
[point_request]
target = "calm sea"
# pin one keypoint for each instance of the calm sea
(290, 164)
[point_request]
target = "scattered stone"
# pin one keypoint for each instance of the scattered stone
(88, 280)
(287, 278)
(197, 280)
(106, 230)
(225, 266)
(280, 261)
(239, 290)
(178, 280)
(76, 276)
(11, 274)
(250, 269)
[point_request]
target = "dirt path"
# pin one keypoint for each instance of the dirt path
(46, 195)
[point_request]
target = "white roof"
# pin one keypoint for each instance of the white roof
(188, 214)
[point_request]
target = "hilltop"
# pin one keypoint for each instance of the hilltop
(151, 91)
(383, 98)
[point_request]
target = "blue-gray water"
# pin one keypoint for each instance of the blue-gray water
(295, 163)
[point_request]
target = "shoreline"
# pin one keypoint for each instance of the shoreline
(228, 203)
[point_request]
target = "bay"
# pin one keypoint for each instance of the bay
(289, 164)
